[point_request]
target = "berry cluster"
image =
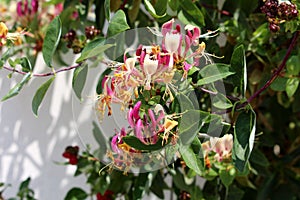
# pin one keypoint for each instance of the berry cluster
(91, 32)
(71, 153)
(276, 12)
(76, 42)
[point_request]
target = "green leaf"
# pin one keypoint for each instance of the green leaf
(193, 11)
(151, 9)
(51, 40)
(142, 184)
(221, 101)
(214, 72)
(137, 144)
(94, 48)
(190, 158)
(259, 158)
(227, 176)
(279, 84)
(117, 24)
(292, 65)
(244, 133)
(238, 65)
(101, 140)
(107, 9)
(17, 88)
(39, 95)
(26, 65)
(76, 194)
(189, 126)
(79, 78)
(292, 86)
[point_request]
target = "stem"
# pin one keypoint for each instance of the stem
(277, 72)
(45, 74)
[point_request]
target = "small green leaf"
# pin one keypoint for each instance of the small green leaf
(292, 65)
(76, 194)
(279, 84)
(79, 78)
(107, 9)
(244, 133)
(117, 24)
(17, 88)
(26, 65)
(39, 95)
(101, 140)
(189, 126)
(214, 72)
(94, 48)
(259, 158)
(137, 144)
(292, 86)
(190, 158)
(227, 176)
(151, 9)
(51, 40)
(221, 101)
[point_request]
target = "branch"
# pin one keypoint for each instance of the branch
(277, 72)
(45, 74)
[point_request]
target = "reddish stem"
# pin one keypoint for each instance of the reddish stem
(45, 74)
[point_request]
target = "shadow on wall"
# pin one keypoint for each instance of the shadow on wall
(30, 146)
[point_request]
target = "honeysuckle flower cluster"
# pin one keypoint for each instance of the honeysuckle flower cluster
(151, 68)
(220, 148)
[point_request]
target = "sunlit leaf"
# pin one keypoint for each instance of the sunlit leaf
(117, 24)
(17, 88)
(214, 72)
(51, 40)
(39, 95)
(79, 79)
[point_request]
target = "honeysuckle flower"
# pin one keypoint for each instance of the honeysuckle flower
(150, 66)
(3, 30)
(172, 41)
(222, 147)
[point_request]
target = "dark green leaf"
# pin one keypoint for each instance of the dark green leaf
(244, 133)
(192, 10)
(137, 144)
(259, 158)
(107, 9)
(151, 9)
(26, 65)
(51, 40)
(142, 184)
(213, 72)
(17, 88)
(101, 140)
(94, 48)
(79, 78)
(117, 24)
(279, 84)
(189, 126)
(238, 65)
(76, 194)
(39, 95)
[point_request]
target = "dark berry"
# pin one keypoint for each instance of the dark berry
(274, 27)
(91, 32)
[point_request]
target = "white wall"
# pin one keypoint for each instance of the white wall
(30, 146)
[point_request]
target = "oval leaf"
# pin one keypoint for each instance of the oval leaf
(51, 40)
(39, 95)
(16, 89)
(244, 133)
(151, 10)
(76, 194)
(117, 24)
(213, 72)
(79, 78)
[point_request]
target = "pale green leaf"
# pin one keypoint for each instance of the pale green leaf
(17, 88)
